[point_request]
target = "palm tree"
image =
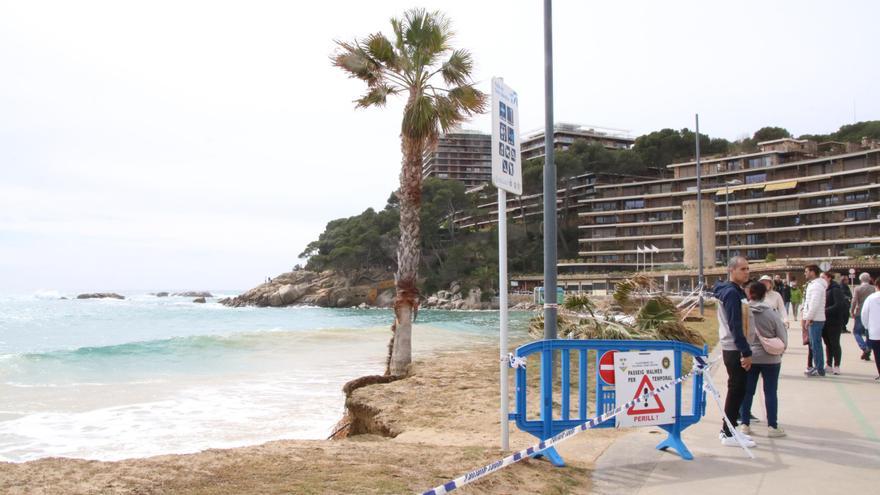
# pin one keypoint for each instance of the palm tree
(436, 80)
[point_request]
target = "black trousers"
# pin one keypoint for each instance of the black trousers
(831, 336)
(736, 388)
(875, 345)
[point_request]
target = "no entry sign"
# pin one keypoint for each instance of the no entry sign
(606, 367)
(637, 374)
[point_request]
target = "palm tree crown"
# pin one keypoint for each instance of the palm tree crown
(409, 65)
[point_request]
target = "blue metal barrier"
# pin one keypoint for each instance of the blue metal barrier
(546, 426)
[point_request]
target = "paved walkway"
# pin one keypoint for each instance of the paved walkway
(833, 442)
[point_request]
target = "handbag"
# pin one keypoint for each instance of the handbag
(772, 345)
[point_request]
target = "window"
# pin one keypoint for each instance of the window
(606, 206)
(857, 214)
(756, 178)
(607, 219)
(633, 204)
(857, 197)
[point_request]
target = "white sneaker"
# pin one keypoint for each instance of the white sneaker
(775, 432)
(835, 370)
(731, 441)
(809, 371)
(745, 430)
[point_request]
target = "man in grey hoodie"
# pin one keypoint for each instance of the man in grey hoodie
(735, 349)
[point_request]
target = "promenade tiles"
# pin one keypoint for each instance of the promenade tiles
(833, 442)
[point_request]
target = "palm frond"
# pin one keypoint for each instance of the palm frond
(377, 96)
(456, 71)
(420, 118)
(351, 58)
(381, 50)
(469, 99)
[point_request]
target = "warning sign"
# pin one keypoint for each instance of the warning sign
(637, 374)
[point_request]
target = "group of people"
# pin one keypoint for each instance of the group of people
(753, 323)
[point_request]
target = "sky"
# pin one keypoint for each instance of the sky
(203, 144)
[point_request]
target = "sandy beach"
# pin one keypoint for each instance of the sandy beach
(445, 418)
(439, 423)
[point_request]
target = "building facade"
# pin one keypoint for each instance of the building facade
(788, 200)
(564, 135)
(462, 155)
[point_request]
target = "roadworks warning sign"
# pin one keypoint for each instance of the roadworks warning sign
(636, 375)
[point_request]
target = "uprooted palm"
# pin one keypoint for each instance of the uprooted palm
(436, 80)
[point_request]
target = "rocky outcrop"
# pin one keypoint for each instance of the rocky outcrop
(200, 300)
(326, 289)
(161, 294)
(100, 295)
(193, 293)
(454, 299)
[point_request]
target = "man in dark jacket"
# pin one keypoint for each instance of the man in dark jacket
(785, 291)
(836, 315)
(735, 349)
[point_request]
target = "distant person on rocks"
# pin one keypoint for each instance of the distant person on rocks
(861, 293)
(813, 320)
(797, 298)
(735, 349)
(774, 299)
(871, 320)
(836, 315)
(768, 324)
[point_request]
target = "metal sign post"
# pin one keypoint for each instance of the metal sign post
(506, 176)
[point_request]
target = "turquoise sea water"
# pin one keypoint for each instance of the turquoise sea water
(114, 379)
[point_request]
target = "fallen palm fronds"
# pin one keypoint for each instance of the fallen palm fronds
(639, 312)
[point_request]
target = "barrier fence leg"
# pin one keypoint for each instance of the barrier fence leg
(675, 442)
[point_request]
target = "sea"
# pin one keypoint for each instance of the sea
(109, 379)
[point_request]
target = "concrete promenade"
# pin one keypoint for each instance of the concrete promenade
(833, 442)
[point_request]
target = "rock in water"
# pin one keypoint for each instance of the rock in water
(100, 295)
(161, 294)
(199, 300)
(193, 293)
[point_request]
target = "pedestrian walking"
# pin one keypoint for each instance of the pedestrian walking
(836, 315)
(847, 296)
(784, 289)
(813, 320)
(797, 298)
(871, 320)
(861, 293)
(767, 343)
(733, 324)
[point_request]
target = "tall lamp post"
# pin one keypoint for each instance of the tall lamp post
(734, 182)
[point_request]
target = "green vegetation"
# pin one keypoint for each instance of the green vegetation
(369, 240)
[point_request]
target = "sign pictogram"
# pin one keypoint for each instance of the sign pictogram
(646, 404)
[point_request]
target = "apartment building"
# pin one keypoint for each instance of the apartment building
(564, 135)
(462, 155)
(791, 199)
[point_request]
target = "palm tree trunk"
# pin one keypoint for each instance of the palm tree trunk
(406, 302)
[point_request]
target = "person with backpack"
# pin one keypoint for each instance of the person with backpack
(836, 316)
(767, 343)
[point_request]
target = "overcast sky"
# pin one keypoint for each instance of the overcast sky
(189, 145)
